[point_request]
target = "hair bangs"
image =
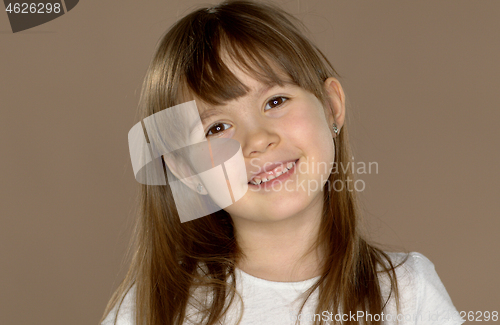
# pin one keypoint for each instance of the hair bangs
(210, 79)
(267, 48)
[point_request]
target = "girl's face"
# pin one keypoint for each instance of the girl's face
(278, 127)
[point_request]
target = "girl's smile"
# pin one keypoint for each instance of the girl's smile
(270, 177)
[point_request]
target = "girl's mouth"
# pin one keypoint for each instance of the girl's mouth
(268, 183)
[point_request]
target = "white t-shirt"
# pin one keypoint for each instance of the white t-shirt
(423, 300)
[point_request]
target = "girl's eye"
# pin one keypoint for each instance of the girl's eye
(275, 102)
(217, 128)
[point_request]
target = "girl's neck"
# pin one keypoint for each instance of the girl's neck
(278, 250)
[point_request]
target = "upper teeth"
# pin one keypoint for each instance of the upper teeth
(258, 180)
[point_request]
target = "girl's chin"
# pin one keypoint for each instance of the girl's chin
(259, 219)
(264, 211)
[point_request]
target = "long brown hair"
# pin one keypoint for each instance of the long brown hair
(167, 254)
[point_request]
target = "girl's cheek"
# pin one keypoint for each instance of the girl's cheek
(296, 119)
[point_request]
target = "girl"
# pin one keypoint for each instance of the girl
(289, 251)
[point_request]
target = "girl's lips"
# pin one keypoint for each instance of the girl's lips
(282, 178)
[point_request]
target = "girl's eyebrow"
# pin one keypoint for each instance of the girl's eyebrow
(210, 112)
(268, 86)
(264, 89)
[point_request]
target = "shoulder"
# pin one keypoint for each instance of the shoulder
(413, 269)
(123, 313)
(417, 273)
(423, 298)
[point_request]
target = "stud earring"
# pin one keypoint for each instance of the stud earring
(199, 188)
(335, 129)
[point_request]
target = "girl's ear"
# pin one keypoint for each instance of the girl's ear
(183, 172)
(336, 99)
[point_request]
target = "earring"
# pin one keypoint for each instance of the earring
(335, 129)
(199, 188)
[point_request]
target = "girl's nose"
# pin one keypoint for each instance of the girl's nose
(259, 140)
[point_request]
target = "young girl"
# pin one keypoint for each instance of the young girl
(289, 250)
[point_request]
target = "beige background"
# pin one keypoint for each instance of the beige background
(422, 80)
